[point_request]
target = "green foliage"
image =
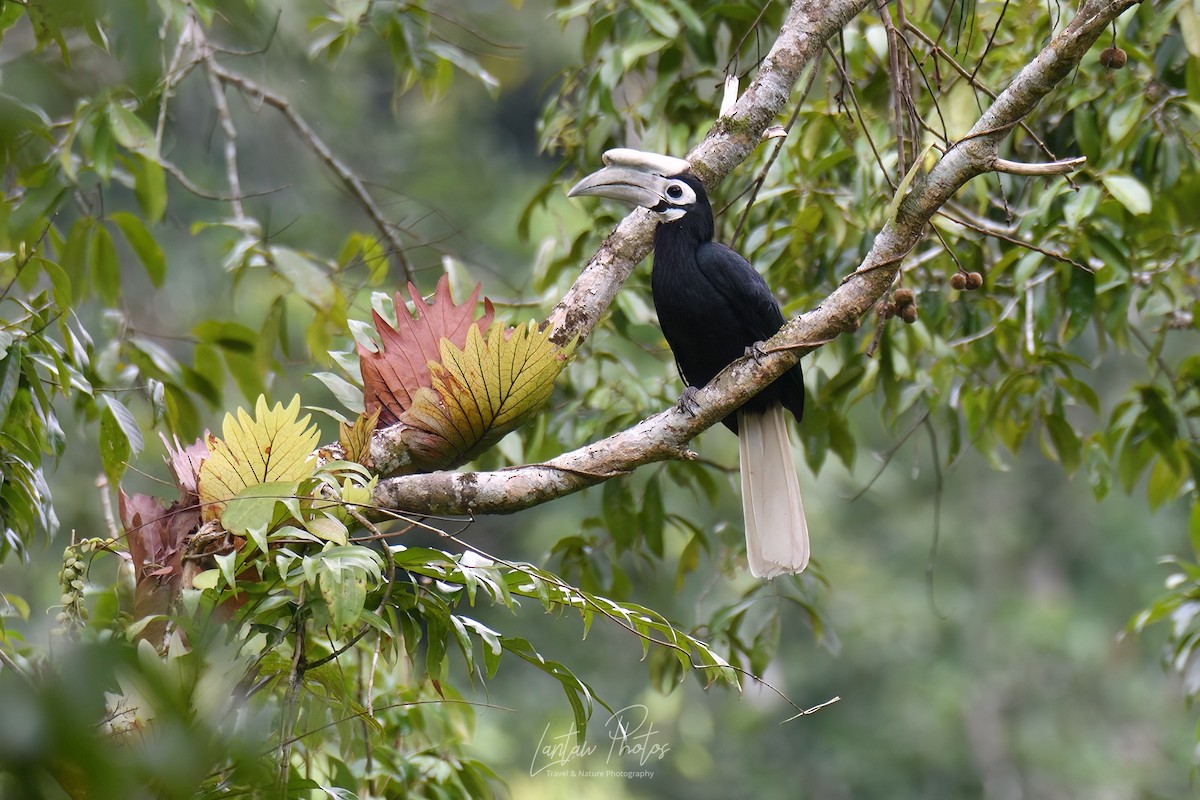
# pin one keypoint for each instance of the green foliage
(290, 644)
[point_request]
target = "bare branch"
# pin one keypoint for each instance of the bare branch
(1049, 168)
(309, 136)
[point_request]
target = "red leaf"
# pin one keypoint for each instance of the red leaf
(394, 374)
(156, 536)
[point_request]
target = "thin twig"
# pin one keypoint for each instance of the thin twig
(937, 514)
(961, 70)
(762, 175)
(309, 136)
(862, 123)
(1004, 237)
(225, 119)
(295, 679)
(187, 183)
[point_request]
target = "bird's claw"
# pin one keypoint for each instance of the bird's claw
(756, 352)
(687, 401)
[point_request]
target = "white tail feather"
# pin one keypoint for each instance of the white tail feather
(776, 533)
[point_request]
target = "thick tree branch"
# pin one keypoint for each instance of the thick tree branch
(666, 434)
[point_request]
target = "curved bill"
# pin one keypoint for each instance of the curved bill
(625, 184)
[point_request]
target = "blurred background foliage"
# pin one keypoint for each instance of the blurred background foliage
(202, 200)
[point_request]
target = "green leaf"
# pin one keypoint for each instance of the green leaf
(106, 267)
(1194, 527)
(620, 512)
(325, 527)
(344, 590)
(660, 19)
(309, 279)
(116, 449)
(1130, 192)
(143, 245)
(653, 516)
(254, 508)
(1067, 445)
(346, 393)
(150, 187)
(130, 132)
(10, 377)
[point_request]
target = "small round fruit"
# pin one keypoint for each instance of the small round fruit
(1113, 57)
(974, 281)
(958, 281)
(909, 314)
(885, 309)
(903, 297)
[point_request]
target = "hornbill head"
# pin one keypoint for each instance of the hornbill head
(649, 180)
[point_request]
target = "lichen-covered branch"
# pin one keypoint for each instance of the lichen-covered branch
(666, 434)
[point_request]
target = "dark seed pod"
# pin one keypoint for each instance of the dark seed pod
(974, 281)
(903, 297)
(1113, 57)
(958, 281)
(909, 314)
(885, 309)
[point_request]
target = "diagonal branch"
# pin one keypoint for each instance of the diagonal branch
(305, 131)
(666, 434)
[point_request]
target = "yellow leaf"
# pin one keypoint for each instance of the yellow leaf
(273, 446)
(480, 393)
(356, 438)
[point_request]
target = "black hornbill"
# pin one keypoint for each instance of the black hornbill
(715, 308)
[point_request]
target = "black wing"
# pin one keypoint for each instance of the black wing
(755, 316)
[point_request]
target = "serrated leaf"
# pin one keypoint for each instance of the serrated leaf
(480, 393)
(155, 536)
(394, 374)
(272, 446)
(356, 438)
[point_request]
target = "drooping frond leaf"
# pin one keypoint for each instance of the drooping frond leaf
(273, 446)
(481, 392)
(394, 374)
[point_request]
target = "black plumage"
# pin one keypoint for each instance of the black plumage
(713, 305)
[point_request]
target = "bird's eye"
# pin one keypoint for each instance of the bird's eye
(674, 191)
